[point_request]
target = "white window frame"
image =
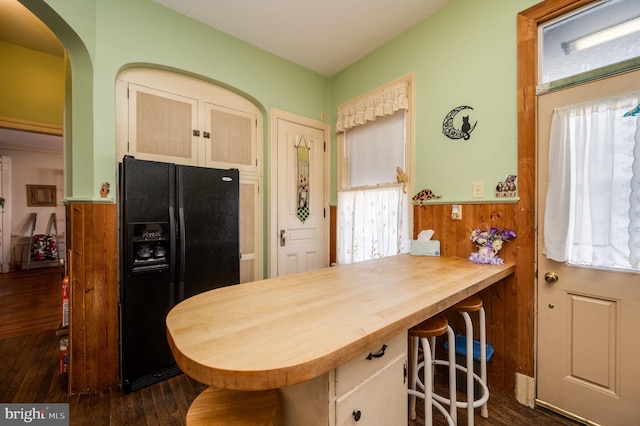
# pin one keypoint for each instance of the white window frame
(342, 160)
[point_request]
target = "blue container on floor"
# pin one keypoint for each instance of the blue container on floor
(461, 359)
(461, 348)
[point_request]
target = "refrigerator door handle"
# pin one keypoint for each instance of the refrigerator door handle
(182, 255)
(172, 251)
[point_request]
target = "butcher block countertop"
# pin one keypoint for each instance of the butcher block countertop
(286, 330)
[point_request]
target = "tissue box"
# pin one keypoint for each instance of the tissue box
(424, 248)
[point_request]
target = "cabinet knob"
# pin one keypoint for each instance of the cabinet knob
(356, 415)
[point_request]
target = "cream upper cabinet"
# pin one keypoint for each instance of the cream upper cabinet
(231, 138)
(162, 125)
(162, 116)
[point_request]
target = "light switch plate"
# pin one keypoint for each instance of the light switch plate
(456, 212)
(478, 190)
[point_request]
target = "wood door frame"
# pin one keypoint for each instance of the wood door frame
(526, 263)
(276, 115)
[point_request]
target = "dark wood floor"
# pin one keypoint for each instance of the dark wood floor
(30, 314)
(504, 410)
(31, 301)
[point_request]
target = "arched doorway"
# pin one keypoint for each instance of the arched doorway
(64, 49)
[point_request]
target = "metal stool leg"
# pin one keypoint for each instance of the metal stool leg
(451, 365)
(453, 406)
(413, 377)
(425, 334)
(470, 395)
(471, 375)
(484, 411)
(429, 400)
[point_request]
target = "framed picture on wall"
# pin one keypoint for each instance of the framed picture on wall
(41, 196)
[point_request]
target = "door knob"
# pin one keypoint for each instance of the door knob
(283, 237)
(551, 277)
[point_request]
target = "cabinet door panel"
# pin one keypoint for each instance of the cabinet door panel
(379, 400)
(161, 126)
(250, 229)
(232, 140)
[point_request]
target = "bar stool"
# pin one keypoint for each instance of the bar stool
(426, 333)
(474, 304)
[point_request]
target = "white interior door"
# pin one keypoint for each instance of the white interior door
(301, 244)
(6, 224)
(588, 361)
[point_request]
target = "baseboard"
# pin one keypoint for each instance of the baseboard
(526, 390)
(564, 413)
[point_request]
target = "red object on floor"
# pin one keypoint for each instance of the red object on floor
(65, 301)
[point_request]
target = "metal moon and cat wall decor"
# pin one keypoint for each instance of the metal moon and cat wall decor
(465, 130)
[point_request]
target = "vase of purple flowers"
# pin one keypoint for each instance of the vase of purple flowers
(489, 242)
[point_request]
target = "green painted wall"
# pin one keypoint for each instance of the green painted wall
(463, 55)
(105, 37)
(31, 85)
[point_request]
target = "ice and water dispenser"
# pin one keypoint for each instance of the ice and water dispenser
(150, 246)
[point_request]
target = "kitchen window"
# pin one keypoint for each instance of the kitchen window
(604, 35)
(592, 215)
(375, 146)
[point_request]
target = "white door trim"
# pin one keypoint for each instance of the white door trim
(276, 115)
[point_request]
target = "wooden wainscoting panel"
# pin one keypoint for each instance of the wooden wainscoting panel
(500, 300)
(333, 234)
(92, 232)
(509, 304)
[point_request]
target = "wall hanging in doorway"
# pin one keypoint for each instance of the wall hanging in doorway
(302, 149)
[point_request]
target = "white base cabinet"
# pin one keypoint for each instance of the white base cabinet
(369, 390)
(379, 400)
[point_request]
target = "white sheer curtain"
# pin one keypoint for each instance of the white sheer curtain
(592, 214)
(370, 223)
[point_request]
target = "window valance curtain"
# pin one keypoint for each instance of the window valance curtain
(592, 214)
(381, 102)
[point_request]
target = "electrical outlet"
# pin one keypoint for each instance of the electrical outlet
(478, 190)
(456, 212)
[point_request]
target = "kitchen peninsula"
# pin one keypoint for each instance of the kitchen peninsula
(301, 329)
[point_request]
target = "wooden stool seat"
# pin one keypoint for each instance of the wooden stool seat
(232, 407)
(432, 327)
(471, 304)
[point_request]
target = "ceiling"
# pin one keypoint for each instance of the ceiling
(21, 27)
(325, 37)
(16, 139)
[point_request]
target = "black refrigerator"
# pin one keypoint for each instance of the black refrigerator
(179, 236)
